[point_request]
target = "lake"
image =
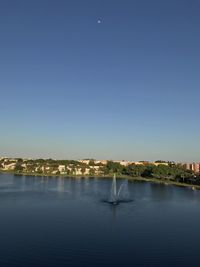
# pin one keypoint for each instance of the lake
(47, 221)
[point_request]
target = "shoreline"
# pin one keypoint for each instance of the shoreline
(131, 178)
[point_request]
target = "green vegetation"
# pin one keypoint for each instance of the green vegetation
(165, 172)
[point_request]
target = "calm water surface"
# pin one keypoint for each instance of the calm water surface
(65, 222)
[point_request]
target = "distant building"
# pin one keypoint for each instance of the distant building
(195, 167)
(61, 168)
(138, 163)
(160, 163)
(10, 166)
(78, 171)
(85, 161)
(103, 162)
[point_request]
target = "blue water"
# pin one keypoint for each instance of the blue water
(65, 222)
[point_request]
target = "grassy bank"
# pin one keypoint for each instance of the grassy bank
(142, 179)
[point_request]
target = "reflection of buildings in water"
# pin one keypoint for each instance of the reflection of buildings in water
(23, 183)
(53, 183)
(68, 182)
(19, 181)
(38, 182)
(35, 182)
(95, 183)
(7, 180)
(16, 180)
(86, 184)
(42, 180)
(78, 186)
(81, 186)
(46, 180)
(11, 180)
(61, 184)
(72, 186)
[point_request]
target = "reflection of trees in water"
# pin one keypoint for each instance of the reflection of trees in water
(84, 187)
(161, 192)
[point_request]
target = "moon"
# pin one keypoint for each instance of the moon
(98, 21)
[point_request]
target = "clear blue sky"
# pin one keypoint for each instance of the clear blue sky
(125, 88)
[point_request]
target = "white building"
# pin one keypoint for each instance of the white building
(61, 168)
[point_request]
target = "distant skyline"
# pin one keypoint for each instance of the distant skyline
(100, 79)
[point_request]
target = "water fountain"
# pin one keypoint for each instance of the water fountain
(122, 195)
(113, 193)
